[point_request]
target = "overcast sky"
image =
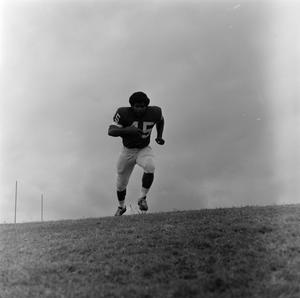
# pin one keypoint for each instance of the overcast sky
(226, 74)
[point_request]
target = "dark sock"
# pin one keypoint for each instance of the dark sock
(121, 195)
(147, 180)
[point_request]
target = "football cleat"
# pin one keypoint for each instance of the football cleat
(120, 211)
(143, 204)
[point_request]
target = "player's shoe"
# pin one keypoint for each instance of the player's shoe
(120, 211)
(143, 204)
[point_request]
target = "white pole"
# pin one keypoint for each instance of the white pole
(16, 198)
(42, 208)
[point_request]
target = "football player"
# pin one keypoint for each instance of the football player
(134, 125)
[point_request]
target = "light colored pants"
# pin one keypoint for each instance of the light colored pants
(128, 159)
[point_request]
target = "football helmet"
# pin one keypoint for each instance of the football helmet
(139, 97)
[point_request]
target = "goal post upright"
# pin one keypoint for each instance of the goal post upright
(16, 200)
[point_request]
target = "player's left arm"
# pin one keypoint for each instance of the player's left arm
(160, 129)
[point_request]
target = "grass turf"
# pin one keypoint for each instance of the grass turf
(234, 252)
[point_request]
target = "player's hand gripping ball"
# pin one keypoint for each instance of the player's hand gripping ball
(160, 141)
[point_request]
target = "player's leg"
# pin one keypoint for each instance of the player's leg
(125, 166)
(145, 159)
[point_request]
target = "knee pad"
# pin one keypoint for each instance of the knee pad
(149, 166)
(122, 183)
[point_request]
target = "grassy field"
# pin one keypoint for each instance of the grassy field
(237, 252)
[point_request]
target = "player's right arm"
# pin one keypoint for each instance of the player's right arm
(116, 131)
(119, 128)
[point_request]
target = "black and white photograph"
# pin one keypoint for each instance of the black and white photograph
(149, 148)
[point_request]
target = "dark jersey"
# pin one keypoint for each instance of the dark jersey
(125, 117)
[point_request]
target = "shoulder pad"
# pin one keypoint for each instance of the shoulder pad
(157, 112)
(121, 116)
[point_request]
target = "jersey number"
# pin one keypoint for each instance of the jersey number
(117, 118)
(146, 127)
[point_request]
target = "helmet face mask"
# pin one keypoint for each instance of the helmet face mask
(139, 108)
